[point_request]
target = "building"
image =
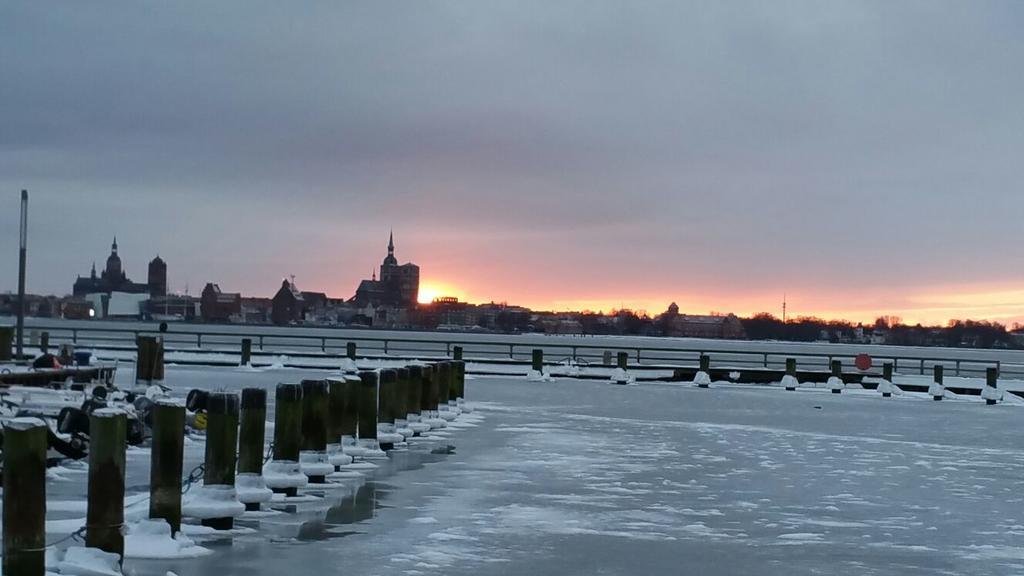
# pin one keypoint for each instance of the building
(726, 326)
(112, 279)
(218, 306)
(398, 286)
(157, 278)
(287, 306)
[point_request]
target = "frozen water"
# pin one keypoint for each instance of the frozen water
(576, 476)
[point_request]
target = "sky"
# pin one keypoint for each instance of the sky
(855, 158)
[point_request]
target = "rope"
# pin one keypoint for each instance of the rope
(193, 477)
(270, 453)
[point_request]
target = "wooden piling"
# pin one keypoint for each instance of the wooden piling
(247, 358)
(622, 360)
(606, 358)
(427, 398)
(460, 378)
(705, 363)
(335, 410)
(401, 395)
(937, 377)
(791, 371)
(24, 482)
(991, 381)
(221, 448)
(44, 342)
(388, 383)
(368, 405)
(837, 372)
(287, 428)
(537, 364)
(314, 423)
(457, 353)
(149, 364)
(350, 350)
(887, 369)
(105, 508)
(6, 341)
(442, 374)
(166, 463)
(350, 408)
(252, 435)
(415, 389)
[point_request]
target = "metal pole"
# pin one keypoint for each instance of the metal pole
(21, 273)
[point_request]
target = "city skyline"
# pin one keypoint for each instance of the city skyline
(860, 157)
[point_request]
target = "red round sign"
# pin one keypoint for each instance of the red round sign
(863, 362)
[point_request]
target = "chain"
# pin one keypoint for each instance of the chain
(270, 453)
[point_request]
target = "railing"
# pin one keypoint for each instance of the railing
(496, 350)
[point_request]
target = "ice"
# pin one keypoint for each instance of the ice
(283, 474)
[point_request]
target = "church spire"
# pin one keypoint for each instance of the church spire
(391, 243)
(113, 247)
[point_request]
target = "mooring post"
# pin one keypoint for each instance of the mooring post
(252, 490)
(413, 403)
(166, 462)
(991, 391)
(44, 342)
(313, 451)
(350, 350)
(335, 411)
(24, 481)
(105, 509)
(457, 353)
(6, 341)
(622, 360)
(460, 385)
(386, 409)
(283, 474)
(350, 408)
(368, 410)
(443, 376)
(705, 363)
(221, 450)
(145, 363)
(247, 355)
(537, 364)
(401, 400)
(837, 373)
(887, 370)
(937, 376)
(791, 382)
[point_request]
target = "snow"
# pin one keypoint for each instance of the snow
(538, 376)
(702, 379)
(152, 539)
(283, 474)
(89, 562)
(790, 381)
(621, 376)
(211, 501)
(835, 383)
(251, 489)
(314, 463)
(23, 423)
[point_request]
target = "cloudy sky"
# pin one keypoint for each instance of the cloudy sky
(862, 158)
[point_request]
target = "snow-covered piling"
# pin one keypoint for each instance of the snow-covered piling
(336, 391)
(105, 508)
(937, 390)
(246, 352)
(991, 392)
(282, 474)
(350, 415)
(789, 381)
(885, 386)
(251, 489)
(222, 409)
(313, 450)
(166, 462)
(24, 517)
(537, 361)
(835, 382)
